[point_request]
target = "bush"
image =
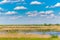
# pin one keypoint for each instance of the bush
(54, 36)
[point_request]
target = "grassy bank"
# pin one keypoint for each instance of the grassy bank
(29, 39)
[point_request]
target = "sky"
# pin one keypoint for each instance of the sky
(29, 11)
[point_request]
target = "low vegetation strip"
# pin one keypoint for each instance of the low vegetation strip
(29, 39)
(30, 28)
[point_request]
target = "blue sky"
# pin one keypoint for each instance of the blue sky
(29, 11)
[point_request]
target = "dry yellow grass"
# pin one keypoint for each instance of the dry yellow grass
(21, 35)
(31, 28)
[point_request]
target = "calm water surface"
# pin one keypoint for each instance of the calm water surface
(34, 32)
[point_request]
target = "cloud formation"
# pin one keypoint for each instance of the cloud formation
(35, 3)
(41, 13)
(10, 12)
(32, 14)
(57, 5)
(9, 1)
(53, 6)
(46, 12)
(1, 9)
(20, 8)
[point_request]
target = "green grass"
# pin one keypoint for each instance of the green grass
(29, 39)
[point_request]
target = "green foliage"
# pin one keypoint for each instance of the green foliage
(54, 36)
(31, 25)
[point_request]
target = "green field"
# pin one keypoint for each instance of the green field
(29, 39)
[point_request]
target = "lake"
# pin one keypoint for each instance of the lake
(34, 32)
(48, 33)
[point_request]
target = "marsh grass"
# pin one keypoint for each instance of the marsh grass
(29, 39)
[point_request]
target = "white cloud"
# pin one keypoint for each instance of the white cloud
(47, 6)
(35, 2)
(9, 1)
(32, 14)
(57, 5)
(20, 8)
(53, 6)
(49, 12)
(41, 13)
(1, 9)
(4, 1)
(51, 16)
(11, 12)
(46, 12)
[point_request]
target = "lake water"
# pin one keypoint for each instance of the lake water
(49, 33)
(34, 32)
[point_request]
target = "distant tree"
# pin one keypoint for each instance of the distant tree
(49, 24)
(45, 24)
(57, 24)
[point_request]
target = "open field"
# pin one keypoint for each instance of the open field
(12, 32)
(29, 28)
